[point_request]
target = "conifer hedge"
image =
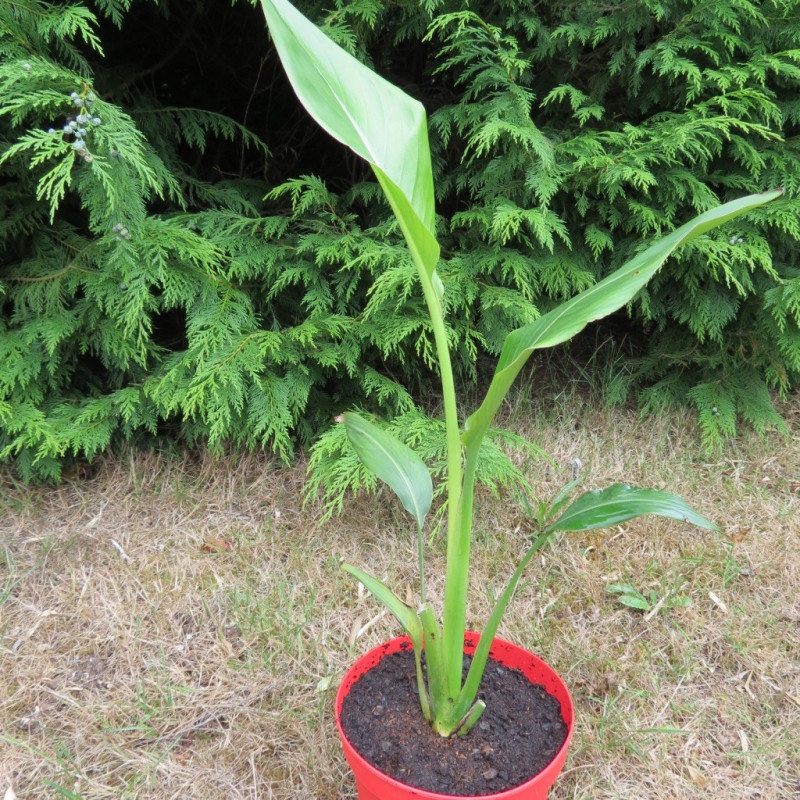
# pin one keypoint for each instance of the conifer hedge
(184, 255)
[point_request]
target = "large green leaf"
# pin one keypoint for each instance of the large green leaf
(393, 462)
(594, 303)
(618, 503)
(375, 119)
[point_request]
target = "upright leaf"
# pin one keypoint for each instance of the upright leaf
(594, 303)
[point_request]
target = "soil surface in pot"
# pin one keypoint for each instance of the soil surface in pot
(517, 736)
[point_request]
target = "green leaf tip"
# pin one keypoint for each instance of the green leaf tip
(594, 303)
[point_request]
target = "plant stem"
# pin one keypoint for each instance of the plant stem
(458, 519)
(457, 574)
(421, 565)
(481, 654)
(458, 528)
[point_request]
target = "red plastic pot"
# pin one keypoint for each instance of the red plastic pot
(376, 785)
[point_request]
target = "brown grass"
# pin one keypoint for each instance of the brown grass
(185, 661)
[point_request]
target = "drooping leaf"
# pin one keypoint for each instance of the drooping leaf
(594, 303)
(374, 118)
(394, 463)
(618, 503)
(407, 618)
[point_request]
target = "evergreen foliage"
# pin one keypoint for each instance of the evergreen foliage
(182, 263)
(612, 122)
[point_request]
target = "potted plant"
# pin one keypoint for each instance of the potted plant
(388, 129)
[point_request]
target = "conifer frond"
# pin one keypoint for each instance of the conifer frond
(207, 273)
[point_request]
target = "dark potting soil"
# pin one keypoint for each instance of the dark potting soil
(517, 736)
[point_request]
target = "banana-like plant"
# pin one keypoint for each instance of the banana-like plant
(387, 128)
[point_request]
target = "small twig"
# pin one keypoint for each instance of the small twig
(42, 616)
(364, 628)
(118, 547)
(656, 608)
(795, 700)
(666, 705)
(247, 110)
(747, 684)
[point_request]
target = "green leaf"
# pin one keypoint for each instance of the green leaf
(375, 119)
(410, 621)
(632, 601)
(621, 588)
(405, 615)
(394, 463)
(630, 596)
(594, 303)
(618, 503)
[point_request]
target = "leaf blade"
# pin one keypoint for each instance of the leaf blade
(394, 463)
(619, 503)
(405, 615)
(594, 303)
(390, 131)
(632, 601)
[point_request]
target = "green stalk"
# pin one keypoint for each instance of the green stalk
(457, 551)
(440, 703)
(458, 522)
(421, 565)
(480, 656)
(422, 691)
(457, 575)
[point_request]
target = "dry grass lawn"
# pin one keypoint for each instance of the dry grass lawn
(176, 629)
